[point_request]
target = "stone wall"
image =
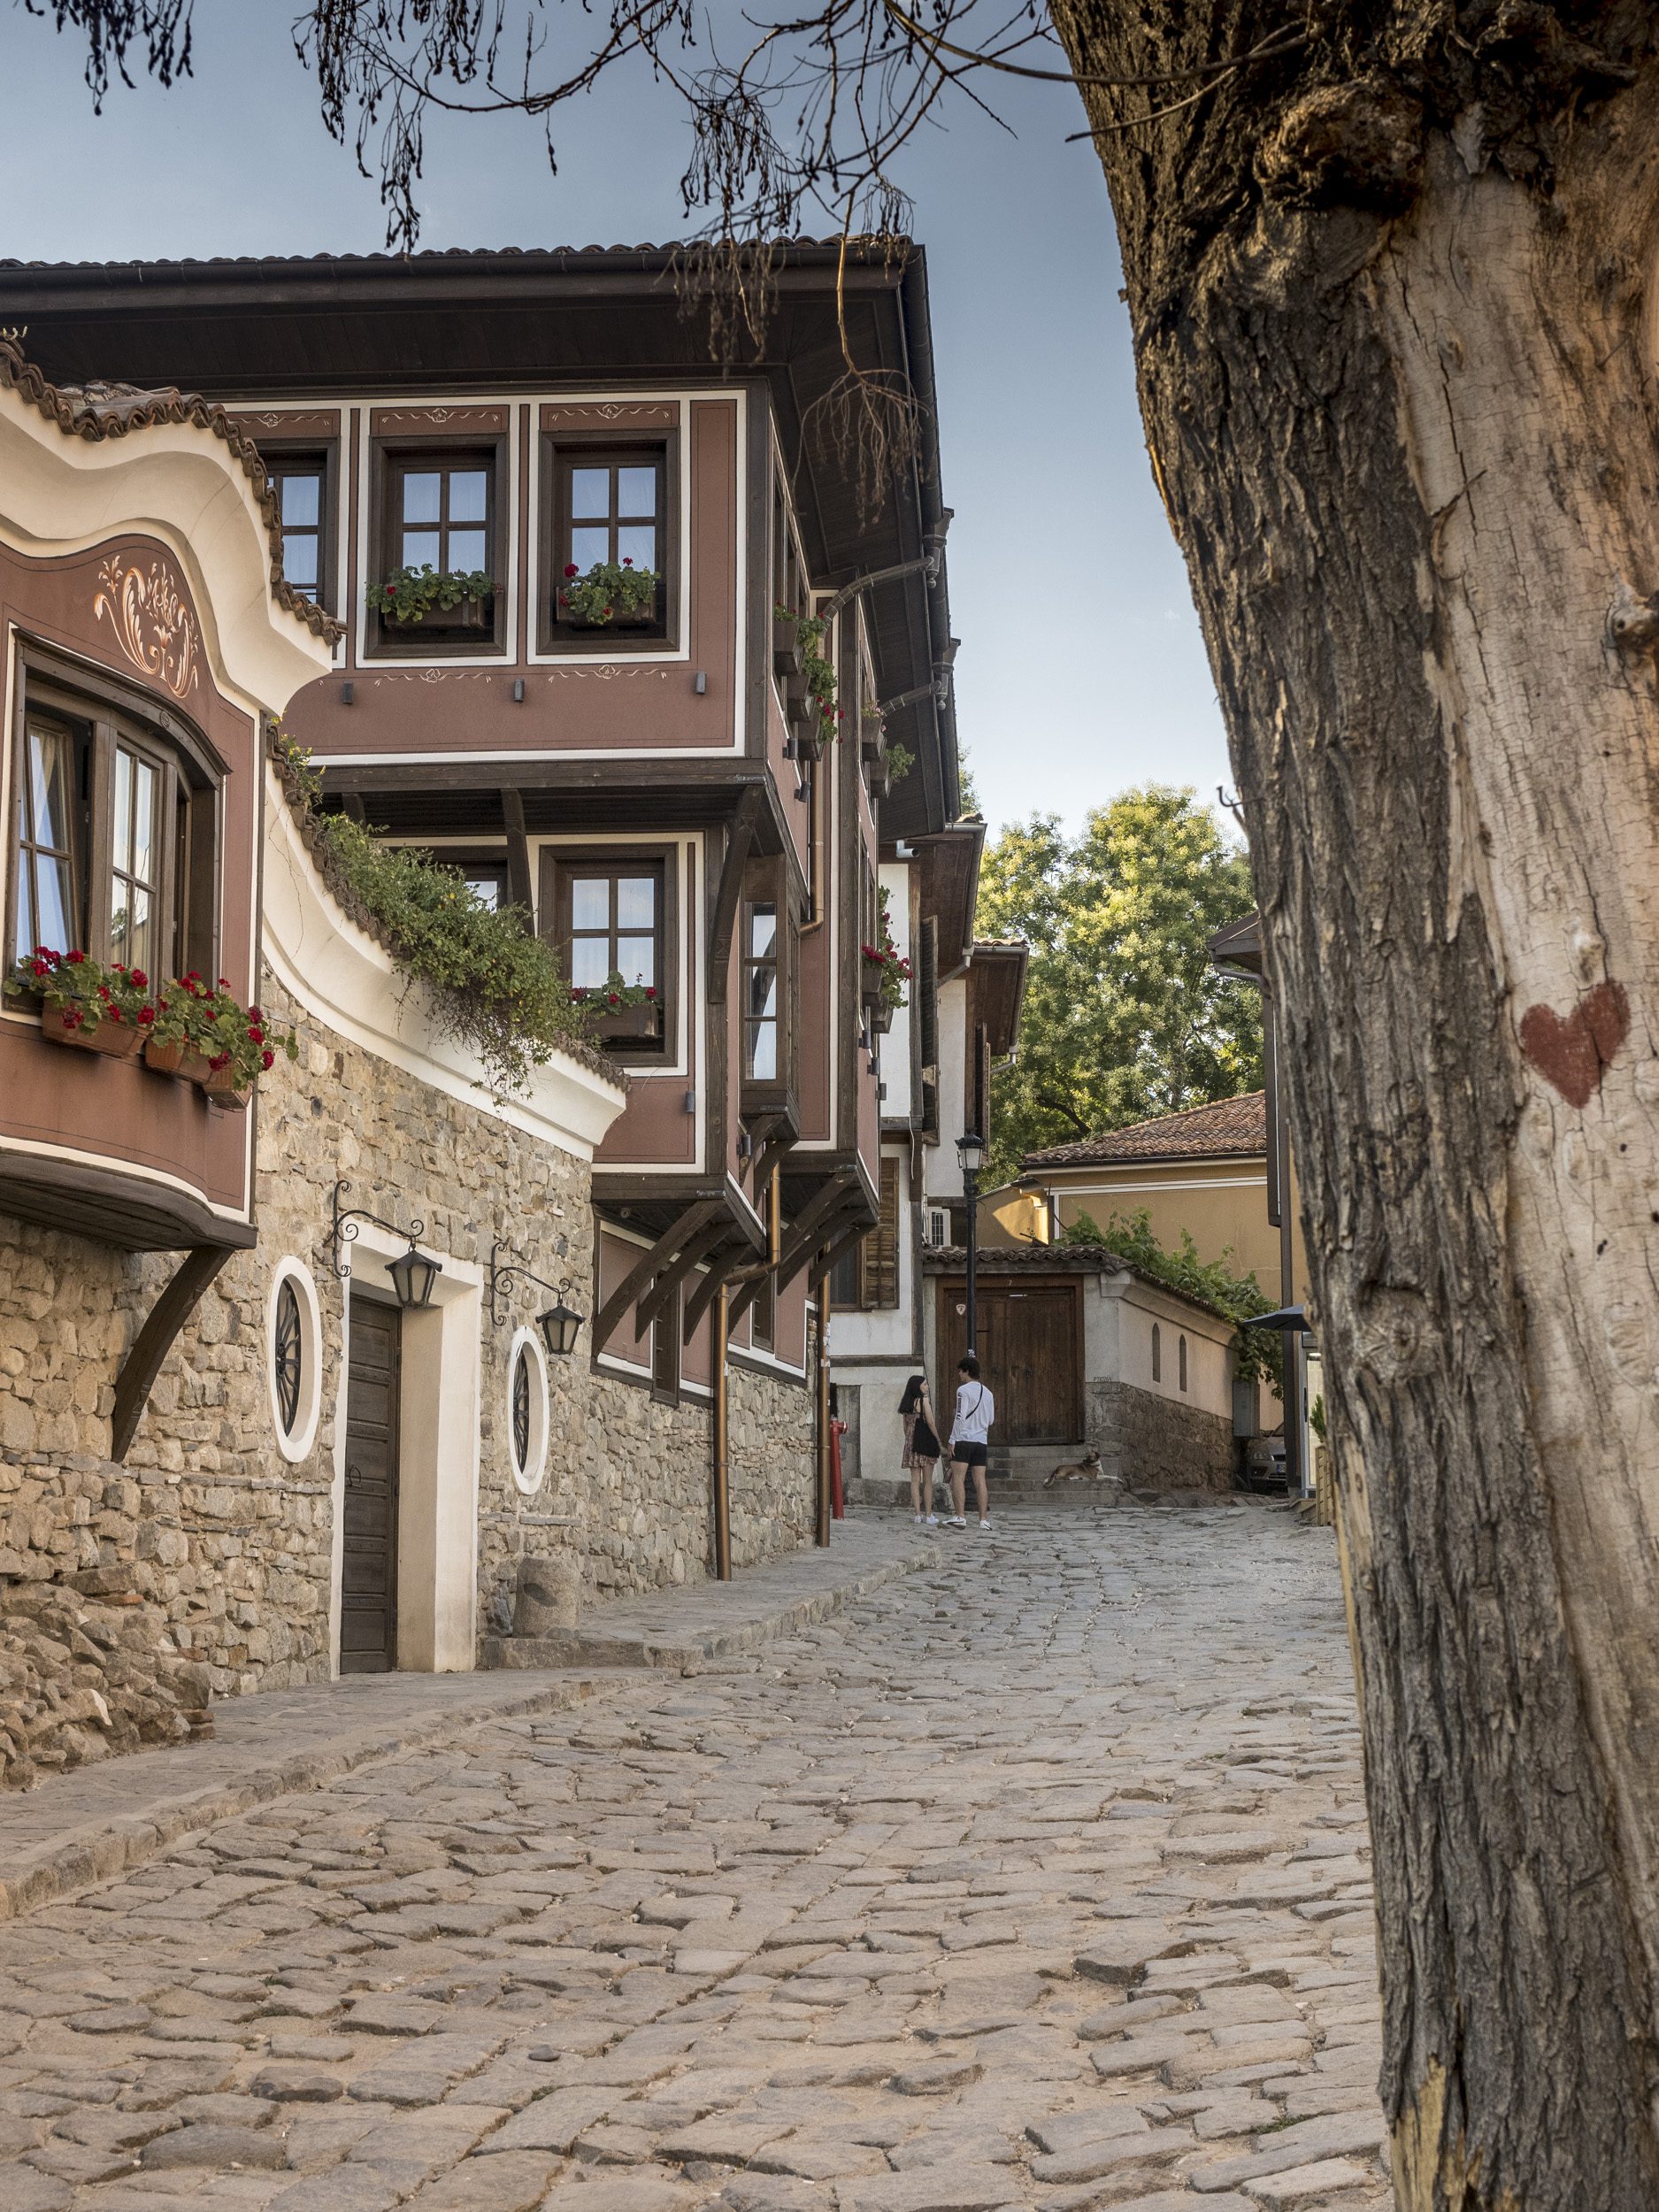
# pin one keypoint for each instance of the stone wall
(232, 1541)
(1156, 1443)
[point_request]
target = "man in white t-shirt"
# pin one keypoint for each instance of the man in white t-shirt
(976, 1410)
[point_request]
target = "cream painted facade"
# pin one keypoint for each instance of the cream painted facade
(1222, 1204)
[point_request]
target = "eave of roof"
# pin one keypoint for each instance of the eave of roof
(1185, 1136)
(1059, 1259)
(99, 412)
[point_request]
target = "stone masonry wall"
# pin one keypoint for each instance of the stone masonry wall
(232, 1541)
(1156, 1444)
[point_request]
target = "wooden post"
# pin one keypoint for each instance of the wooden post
(722, 1476)
(823, 1440)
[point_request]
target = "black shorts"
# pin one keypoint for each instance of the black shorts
(970, 1454)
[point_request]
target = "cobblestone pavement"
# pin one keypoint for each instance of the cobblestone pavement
(1036, 1879)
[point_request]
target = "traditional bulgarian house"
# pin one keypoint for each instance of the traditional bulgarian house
(542, 590)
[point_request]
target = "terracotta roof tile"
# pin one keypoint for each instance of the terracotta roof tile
(1229, 1129)
(97, 411)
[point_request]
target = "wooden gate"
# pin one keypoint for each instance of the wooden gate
(1030, 1347)
(368, 1582)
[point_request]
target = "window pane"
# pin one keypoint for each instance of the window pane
(590, 493)
(420, 549)
(589, 546)
(54, 924)
(762, 992)
(636, 542)
(421, 492)
(487, 886)
(762, 1051)
(763, 931)
(299, 562)
(146, 783)
(122, 827)
(636, 492)
(302, 499)
(590, 902)
(468, 490)
(49, 790)
(636, 902)
(130, 928)
(469, 550)
(636, 959)
(590, 962)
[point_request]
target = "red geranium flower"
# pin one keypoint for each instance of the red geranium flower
(220, 1060)
(74, 958)
(627, 560)
(255, 1035)
(267, 1059)
(140, 980)
(253, 1015)
(570, 569)
(651, 990)
(146, 1015)
(613, 999)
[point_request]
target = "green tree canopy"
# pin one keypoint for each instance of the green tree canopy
(1124, 1016)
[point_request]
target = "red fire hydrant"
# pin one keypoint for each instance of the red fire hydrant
(838, 1500)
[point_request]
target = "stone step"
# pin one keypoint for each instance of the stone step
(1002, 1496)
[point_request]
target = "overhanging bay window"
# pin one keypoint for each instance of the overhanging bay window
(761, 1001)
(611, 916)
(114, 830)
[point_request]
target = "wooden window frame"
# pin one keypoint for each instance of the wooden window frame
(665, 1354)
(625, 1035)
(307, 456)
(390, 459)
(766, 883)
(562, 450)
(190, 811)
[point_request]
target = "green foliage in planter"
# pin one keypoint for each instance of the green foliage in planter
(81, 986)
(408, 593)
(901, 760)
(607, 590)
(497, 989)
(1239, 1298)
(214, 1022)
(883, 956)
(818, 672)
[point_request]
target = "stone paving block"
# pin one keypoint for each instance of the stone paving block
(967, 2188)
(1302, 2145)
(515, 2181)
(553, 2123)
(351, 2189)
(1302, 2184)
(23, 2189)
(1157, 2147)
(205, 2144)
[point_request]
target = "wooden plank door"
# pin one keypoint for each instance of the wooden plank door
(368, 1584)
(1037, 1364)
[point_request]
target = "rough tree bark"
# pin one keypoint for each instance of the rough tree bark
(1392, 296)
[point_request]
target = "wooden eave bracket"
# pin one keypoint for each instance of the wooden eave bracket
(151, 1347)
(657, 1299)
(520, 891)
(667, 1248)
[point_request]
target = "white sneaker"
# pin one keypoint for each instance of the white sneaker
(956, 1521)
(985, 1524)
(919, 1520)
(932, 1520)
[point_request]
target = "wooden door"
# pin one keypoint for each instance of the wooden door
(368, 1585)
(1027, 1339)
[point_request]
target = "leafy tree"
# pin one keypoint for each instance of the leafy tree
(1125, 1015)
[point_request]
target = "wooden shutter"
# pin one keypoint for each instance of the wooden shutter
(927, 991)
(881, 1246)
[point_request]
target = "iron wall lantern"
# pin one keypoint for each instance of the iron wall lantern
(413, 1272)
(560, 1324)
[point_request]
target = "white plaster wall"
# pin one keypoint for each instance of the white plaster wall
(895, 1045)
(1209, 1348)
(944, 1170)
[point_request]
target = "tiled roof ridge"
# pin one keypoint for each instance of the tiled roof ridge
(1076, 1259)
(99, 411)
(1139, 1139)
(324, 860)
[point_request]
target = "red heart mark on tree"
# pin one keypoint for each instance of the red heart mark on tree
(1573, 1053)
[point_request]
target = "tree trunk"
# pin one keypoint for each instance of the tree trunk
(1389, 298)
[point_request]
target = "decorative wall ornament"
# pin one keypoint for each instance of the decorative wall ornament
(439, 419)
(153, 626)
(607, 672)
(650, 414)
(435, 676)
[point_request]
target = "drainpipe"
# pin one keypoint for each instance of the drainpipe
(722, 1336)
(822, 1440)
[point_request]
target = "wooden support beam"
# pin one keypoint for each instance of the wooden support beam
(743, 826)
(813, 1223)
(656, 1299)
(520, 890)
(633, 1282)
(139, 1370)
(709, 1289)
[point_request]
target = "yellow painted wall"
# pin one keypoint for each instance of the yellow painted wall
(1219, 1202)
(1013, 1217)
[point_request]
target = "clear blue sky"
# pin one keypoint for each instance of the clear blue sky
(1082, 669)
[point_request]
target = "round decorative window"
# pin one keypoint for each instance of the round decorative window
(293, 1367)
(288, 1355)
(527, 1410)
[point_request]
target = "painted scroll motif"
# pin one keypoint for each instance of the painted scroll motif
(154, 628)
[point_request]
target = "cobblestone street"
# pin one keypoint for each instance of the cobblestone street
(1037, 1878)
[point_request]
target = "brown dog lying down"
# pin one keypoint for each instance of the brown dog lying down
(1084, 1470)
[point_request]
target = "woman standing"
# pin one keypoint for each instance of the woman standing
(922, 1449)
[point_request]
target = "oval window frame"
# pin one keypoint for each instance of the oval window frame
(296, 1444)
(528, 1479)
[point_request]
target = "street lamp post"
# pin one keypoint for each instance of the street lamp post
(971, 1152)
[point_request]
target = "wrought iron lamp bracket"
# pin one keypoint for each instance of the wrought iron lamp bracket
(347, 1221)
(502, 1273)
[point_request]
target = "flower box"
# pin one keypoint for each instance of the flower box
(174, 1057)
(66, 1023)
(633, 1021)
(619, 619)
(219, 1087)
(467, 614)
(785, 645)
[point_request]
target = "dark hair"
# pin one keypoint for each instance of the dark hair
(969, 1366)
(912, 1397)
